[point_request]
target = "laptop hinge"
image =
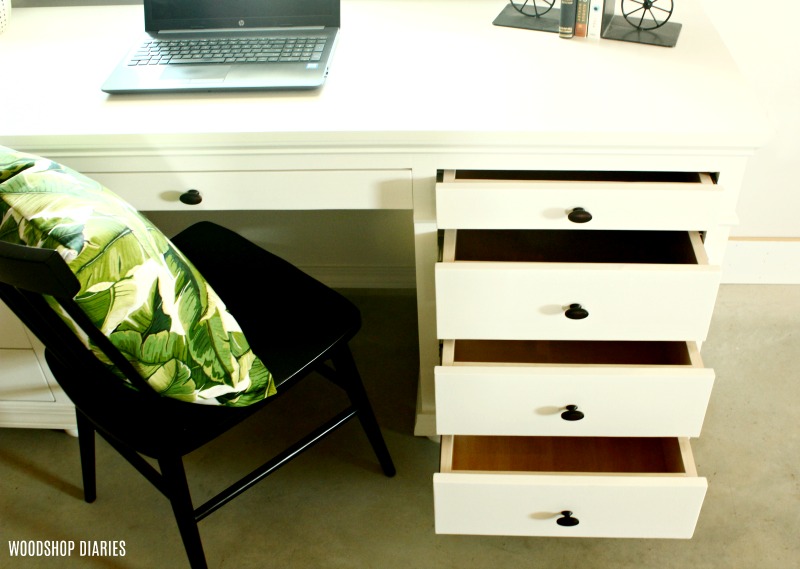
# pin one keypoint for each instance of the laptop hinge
(240, 30)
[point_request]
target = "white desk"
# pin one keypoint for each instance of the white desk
(417, 86)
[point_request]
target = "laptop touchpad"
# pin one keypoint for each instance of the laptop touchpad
(196, 72)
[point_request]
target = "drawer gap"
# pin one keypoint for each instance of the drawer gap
(572, 352)
(619, 455)
(579, 176)
(557, 246)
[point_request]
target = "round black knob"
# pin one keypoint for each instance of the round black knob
(567, 520)
(576, 312)
(579, 215)
(191, 197)
(572, 414)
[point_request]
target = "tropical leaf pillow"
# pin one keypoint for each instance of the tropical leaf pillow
(136, 287)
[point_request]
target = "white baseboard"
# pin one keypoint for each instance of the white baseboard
(757, 260)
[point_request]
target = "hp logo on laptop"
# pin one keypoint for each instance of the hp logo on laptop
(241, 23)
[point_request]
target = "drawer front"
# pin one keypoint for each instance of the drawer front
(275, 190)
(624, 504)
(529, 300)
(521, 204)
(606, 506)
(611, 400)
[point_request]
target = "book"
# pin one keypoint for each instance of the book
(566, 26)
(581, 18)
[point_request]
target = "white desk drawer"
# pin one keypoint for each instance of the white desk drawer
(613, 487)
(254, 190)
(526, 285)
(649, 389)
(607, 200)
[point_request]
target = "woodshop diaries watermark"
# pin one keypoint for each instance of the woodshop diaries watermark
(65, 548)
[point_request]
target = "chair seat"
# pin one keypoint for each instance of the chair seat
(295, 320)
(292, 326)
(155, 426)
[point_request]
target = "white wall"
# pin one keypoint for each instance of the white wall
(763, 43)
(765, 247)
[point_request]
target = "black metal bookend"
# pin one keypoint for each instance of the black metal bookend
(641, 21)
(538, 15)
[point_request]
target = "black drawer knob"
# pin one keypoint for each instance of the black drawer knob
(191, 197)
(567, 520)
(576, 312)
(572, 414)
(579, 215)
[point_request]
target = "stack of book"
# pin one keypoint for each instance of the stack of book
(584, 18)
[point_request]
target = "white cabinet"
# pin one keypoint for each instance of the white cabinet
(29, 396)
(570, 306)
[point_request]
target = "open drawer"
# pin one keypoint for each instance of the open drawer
(578, 200)
(574, 285)
(568, 486)
(571, 388)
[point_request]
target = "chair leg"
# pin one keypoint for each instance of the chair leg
(178, 493)
(348, 372)
(87, 450)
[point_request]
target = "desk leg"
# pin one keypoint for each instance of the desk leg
(427, 252)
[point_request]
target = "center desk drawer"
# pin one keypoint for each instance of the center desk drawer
(572, 388)
(574, 285)
(567, 486)
(267, 190)
(578, 200)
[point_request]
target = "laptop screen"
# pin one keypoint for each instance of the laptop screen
(162, 15)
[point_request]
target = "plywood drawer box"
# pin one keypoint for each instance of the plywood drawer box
(578, 200)
(568, 487)
(574, 285)
(267, 189)
(648, 389)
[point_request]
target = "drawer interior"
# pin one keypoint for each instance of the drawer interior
(575, 352)
(559, 246)
(620, 455)
(578, 176)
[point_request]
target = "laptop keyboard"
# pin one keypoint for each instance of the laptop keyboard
(229, 50)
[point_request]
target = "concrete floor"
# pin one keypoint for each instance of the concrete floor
(332, 508)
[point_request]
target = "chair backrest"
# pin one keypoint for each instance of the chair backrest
(137, 288)
(27, 275)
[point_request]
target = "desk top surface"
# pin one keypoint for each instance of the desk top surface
(406, 73)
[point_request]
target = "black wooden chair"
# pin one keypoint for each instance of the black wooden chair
(295, 324)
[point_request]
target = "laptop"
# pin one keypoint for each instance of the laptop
(230, 45)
